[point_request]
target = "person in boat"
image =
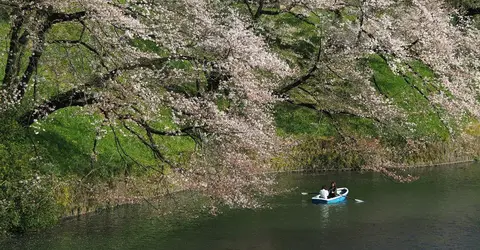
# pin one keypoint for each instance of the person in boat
(332, 191)
(324, 192)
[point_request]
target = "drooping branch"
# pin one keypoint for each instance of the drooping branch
(273, 12)
(122, 152)
(302, 79)
(424, 95)
(32, 62)
(410, 46)
(301, 17)
(78, 42)
(150, 143)
(331, 112)
(144, 124)
(180, 132)
(377, 87)
(327, 113)
(297, 82)
(361, 21)
(90, 48)
(189, 131)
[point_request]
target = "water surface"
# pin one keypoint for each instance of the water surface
(441, 210)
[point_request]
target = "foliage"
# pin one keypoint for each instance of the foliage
(27, 204)
(26, 201)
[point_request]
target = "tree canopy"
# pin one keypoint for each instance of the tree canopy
(219, 67)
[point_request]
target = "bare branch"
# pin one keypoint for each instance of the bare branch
(78, 42)
(249, 8)
(299, 81)
(54, 18)
(71, 98)
(9, 4)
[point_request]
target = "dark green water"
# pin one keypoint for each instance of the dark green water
(441, 210)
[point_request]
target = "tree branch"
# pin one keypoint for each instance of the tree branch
(249, 8)
(51, 19)
(79, 97)
(299, 81)
(70, 98)
(150, 144)
(259, 9)
(301, 17)
(148, 128)
(180, 132)
(13, 54)
(32, 62)
(78, 42)
(361, 20)
(472, 11)
(9, 4)
(54, 18)
(331, 112)
(424, 95)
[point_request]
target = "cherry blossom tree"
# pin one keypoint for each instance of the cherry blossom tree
(427, 32)
(218, 55)
(420, 30)
(130, 59)
(432, 32)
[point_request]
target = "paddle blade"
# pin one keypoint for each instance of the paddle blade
(303, 193)
(359, 201)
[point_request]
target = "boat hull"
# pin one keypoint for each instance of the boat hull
(341, 197)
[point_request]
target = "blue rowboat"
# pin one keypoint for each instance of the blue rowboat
(341, 196)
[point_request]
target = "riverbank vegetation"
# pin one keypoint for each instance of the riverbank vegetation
(109, 102)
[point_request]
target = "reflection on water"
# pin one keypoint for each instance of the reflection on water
(327, 209)
(441, 210)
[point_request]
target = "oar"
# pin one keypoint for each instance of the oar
(303, 193)
(357, 200)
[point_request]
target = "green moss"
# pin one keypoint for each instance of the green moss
(410, 93)
(422, 69)
(68, 136)
(296, 38)
(291, 119)
(66, 31)
(223, 103)
(149, 46)
(357, 126)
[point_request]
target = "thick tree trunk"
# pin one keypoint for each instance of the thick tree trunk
(32, 61)
(16, 42)
(15, 81)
